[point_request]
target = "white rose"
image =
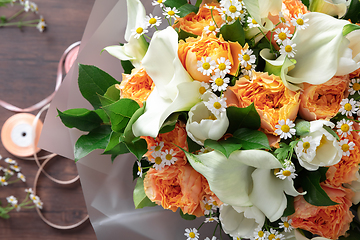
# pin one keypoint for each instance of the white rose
(318, 148)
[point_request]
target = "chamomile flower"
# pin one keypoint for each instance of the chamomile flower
(252, 23)
(216, 105)
(39, 204)
(211, 7)
(247, 73)
(191, 233)
(11, 199)
(139, 30)
(299, 21)
(169, 157)
(29, 190)
(282, 34)
(344, 127)
(232, 8)
(208, 207)
(286, 224)
(211, 219)
(140, 170)
(354, 86)
(8, 172)
(34, 198)
(204, 87)
(219, 83)
(223, 66)
(283, 20)
(259, 234)
(236, 238)
(16, 168)
(346, 146)
(21, 177)
(306, 147)
(246, 57)
(348, 107)
(152, 21)
(27, 6)
(272, 234)
(206, 66)
(10, 161)
(22, 2)
(159, 161)
(158, 2)
(287, 173)
(213, 238)
(214, 204)
(171, 13)
(41, 25)
(287, 48)
(157, 147)
(3, 181)
(33, 7)
(285, 128)
(211, 29)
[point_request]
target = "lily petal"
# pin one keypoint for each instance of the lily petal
(330, 7)
(136, 14)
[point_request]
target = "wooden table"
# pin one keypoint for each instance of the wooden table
(28, 66)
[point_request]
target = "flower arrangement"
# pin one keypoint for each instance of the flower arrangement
(240, 111)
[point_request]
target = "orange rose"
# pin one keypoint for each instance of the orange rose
(194, 49)
(290, 8)
(327, 221)
(195, 22)
(272, 100)
(323, 101)
(136, 86)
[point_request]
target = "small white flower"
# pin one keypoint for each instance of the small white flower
(139, 30)
(216, 105)
(3, 181)
(259, 234)
(223, 66)
(8, 171)
(283, 20)
(159, 161)
(287, 48)
(211, 219)
(213, 238)
(208, 207)
(152, 21)
(211, 28)
(29, 190)
(206, 66)
(287, 173)
(10, 161)
(39, 204)
(246, 57)
(299, 22)
(158, 2)
(191, 233)
(140, 171)
(34, 198)
(22, 2)
(12, 199)
(157, 148)
(26, 6)
(281, 34)
(273, 234)
(219, 83)
(41, 25)
(232, 8)
(286, 224)
(346, 146)
(204, 87)
(348, 107)
(21, 177)
(171, 13)
(344, 127)
(252, 23)
(285, 128)
(33, 7)
(306, 147)
(16, 168)
(169, 157)
(354, 86)
(211, 7)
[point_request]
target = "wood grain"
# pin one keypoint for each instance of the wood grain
(28, 65)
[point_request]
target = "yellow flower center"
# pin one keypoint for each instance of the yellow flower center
(206, 66)
(217, 105)
(345, 147)
(356, 86)
(212, 117)
(248, 67)
(247, 77)
(2, 180)
(157, 148)
(261, 233)
(299, 21)
(306, 145)
(229, 19)
(158, 160)
(232, 8)
(212, 28)
(202, 90)
(152, 20)
(171, 13)
(345, 127)
(286, 173)
(222, 66)
(214, 203)
(285, 128)
(282, 36)
(139, 30)
(283, 19)
(347, 107)
(246, 57)
(286, 225)
(272, 236)
(241, 11)
(139, 169)
(207, 207)
(192, 235)
(168, 157)
(159, 1)
(253, 21)
(288, 48)
(219, 81)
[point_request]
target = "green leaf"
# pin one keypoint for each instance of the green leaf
(128, 135)
(310, 181)
(198, 2)
(332, 132)
(233, 32)
(175, 3)
(93, 81)
(115, 147)
(193, 146)
(349, 28)
(289, 206)
(169, 123)
(306, 3)
(127, 66)
(251, 139)
(282, 153)
(184, 34)
(186, 9)
(322, 171)
(242, 118)
(96, 139)
(80, 118)
(302, 127)
(112, 93)
(139, 196)
(226, 147)
(4, 215)
(187, 216)
(120, 113)
(138, 147)
(102, 114)
(351, 235)
(105, 101)
(353, 12)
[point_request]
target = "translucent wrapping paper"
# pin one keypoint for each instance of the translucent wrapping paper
(108, 187)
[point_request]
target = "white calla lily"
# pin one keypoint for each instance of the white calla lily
(174, 89)
(240, 221)
(330, 7)
(240, 179)
(202, 124)
(136, 48)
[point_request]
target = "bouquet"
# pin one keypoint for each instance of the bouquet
(244, 112)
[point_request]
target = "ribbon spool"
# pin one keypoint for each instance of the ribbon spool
(16, 134)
